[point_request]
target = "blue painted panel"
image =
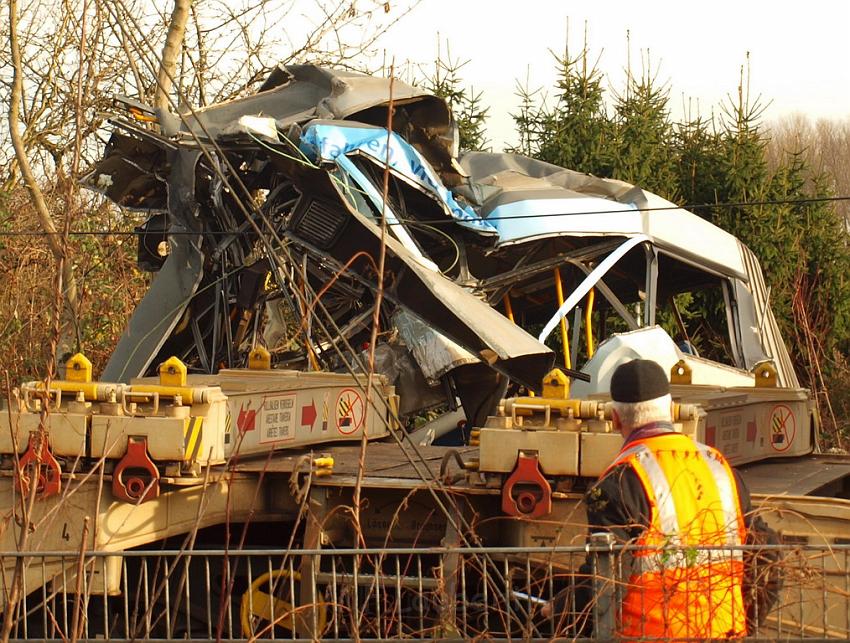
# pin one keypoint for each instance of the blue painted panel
(324, 142)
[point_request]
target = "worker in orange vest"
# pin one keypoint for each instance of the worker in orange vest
(685, 514)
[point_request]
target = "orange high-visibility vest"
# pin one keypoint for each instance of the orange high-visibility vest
(679, 587)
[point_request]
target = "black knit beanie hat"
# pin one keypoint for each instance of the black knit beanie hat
(638, 381)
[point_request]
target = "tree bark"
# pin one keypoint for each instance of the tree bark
(54, 238)
(171, 52)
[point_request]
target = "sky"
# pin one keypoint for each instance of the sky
(799, 53)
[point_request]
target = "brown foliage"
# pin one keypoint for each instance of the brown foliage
(109, 285)
(824, 144)
(74, 57)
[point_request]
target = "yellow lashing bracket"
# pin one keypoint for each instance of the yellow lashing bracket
(556, 385)
(78, 369)
(78, 379)
(172, 383)
(324, 466)
(680, 373)
(172, 372)
(765, 373)
(259, 359)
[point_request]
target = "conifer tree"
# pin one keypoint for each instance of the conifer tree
(576, 132)
(698, 162)
(643, 136)
(719, 167)
(466, 104)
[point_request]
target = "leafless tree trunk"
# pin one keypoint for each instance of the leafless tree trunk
(171, 52)
(68, 286)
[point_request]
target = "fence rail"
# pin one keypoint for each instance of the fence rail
(383, 594)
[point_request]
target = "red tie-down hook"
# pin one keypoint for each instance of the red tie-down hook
(39, 459)
(526, 493)
(135, 478)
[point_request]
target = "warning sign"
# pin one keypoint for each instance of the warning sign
(247, 418)
(277, 418)
(228, 426)
(350, 411)
(783, 427)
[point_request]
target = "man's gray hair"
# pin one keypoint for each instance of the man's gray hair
(636, 414)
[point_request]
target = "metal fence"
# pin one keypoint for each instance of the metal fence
(381, 594)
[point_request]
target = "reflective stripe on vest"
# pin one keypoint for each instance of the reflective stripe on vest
(687, 577)
(664, 505)
(671, 553)
(728, 495)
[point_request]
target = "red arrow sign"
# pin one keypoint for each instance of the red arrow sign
(308, 414)
(247, 418)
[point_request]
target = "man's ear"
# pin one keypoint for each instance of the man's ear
(615, 420)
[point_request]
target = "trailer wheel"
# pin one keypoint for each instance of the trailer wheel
(268, 604)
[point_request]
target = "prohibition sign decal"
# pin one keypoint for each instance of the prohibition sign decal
(783, 427)
(350, 411)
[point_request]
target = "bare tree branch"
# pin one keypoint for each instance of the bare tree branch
(44, 217)
(170, 53)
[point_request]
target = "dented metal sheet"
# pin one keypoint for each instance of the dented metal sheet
(327, 142)
(273, 202)
(458, 314)
(527, 199)
(435, 353)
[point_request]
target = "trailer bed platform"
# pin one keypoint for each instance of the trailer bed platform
(804, 476)
(385, 464)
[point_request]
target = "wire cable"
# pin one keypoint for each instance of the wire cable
(276, 260)
(445, 221)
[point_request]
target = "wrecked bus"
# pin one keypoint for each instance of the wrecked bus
(236, 398)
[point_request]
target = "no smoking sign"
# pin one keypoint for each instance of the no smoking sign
(350, 411)
(783, 427)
